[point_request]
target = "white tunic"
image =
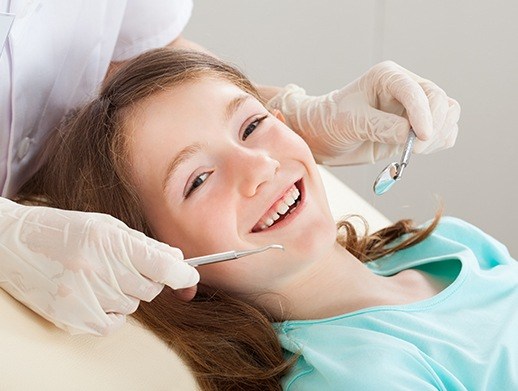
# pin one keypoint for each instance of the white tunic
(55, 57)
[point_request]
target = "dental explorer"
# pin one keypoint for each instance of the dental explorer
(229, 255)
(394, 171)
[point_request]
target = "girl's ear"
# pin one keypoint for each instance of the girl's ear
(277, 114)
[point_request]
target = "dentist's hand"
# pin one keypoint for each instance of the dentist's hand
(83, 271)
(370, 118)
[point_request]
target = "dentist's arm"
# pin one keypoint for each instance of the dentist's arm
(83, 271)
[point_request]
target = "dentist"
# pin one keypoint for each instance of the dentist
(85, 272)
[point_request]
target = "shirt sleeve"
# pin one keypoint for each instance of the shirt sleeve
(148, 25)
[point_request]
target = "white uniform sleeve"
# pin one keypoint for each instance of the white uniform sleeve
(150, 24)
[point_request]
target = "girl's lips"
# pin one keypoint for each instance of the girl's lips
(285, 215)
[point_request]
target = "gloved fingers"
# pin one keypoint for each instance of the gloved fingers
(446, 136)
(105, 292)
(385, 128)
(145, 256)
(160, 262)
(439, 105)
(383, 151)
(131, 306)
(447, 141)
(110, 324)
(450, 142)
(176, 274)
(148, 260)
(411, 95)
(143, 242)
(113, 323)
(453, 118)
(91, 318)
(135, 284)
(118, 303)
(123, 272)
(454, 111)
(448, 132)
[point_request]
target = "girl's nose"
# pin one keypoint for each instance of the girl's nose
(254, 168)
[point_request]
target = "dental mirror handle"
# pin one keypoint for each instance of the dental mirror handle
(394, 171)
(407, 152)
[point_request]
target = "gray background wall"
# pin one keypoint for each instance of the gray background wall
(468, 47)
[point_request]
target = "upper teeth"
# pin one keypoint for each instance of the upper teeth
(280, 208)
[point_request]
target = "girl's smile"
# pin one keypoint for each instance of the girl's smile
(284, 210)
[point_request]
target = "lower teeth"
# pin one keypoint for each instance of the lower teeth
(294, 207)
(290, 210)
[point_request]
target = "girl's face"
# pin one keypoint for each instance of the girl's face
(214, 169)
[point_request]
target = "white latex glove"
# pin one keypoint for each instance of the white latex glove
(367, 120)
(83, 271)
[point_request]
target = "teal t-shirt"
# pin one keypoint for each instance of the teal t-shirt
(464, 338)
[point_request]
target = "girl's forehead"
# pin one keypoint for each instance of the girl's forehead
(177, 108)
(207, 94)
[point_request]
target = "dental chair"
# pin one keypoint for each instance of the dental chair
(35, 355)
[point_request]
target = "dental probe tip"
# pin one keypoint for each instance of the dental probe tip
(245, 253)
(229, 255)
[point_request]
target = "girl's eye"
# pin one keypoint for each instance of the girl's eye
(251, 127)
(197, 182)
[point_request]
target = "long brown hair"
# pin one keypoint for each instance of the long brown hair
(228, 344)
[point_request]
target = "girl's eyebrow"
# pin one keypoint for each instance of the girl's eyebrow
(234, 104)
(184, 155)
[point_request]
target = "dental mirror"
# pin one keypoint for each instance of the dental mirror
(394, 171)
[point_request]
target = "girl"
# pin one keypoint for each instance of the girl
(179, 146)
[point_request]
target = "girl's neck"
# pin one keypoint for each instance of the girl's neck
(340, 284)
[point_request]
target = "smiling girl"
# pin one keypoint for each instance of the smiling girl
(180, 146)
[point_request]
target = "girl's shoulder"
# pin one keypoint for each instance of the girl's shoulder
(453, 238)
(488, 250)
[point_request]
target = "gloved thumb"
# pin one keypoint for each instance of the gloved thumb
(161, 263)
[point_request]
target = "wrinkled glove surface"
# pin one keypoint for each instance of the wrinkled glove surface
(83, 271)
(370, 118)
